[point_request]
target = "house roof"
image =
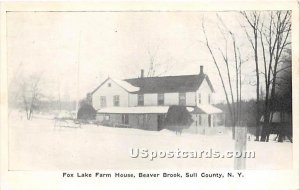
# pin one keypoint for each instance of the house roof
(122, 83)
(126, 85)
(182, 83)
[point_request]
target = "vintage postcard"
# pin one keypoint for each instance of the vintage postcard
(95, 95)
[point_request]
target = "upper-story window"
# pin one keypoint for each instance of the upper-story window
(116, 100)
(109, 84)
(199, 98)
(182, 99)
(209, 98)
(102, 101)
(141, 99)
(160, 99)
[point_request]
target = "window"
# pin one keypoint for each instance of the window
(116, 100)
(209, 98)
(182, 99)
(102, 101)
(199, 98)
(160, 99)
(141, 99)
(109, 84)
(106, 117)
(125, 119)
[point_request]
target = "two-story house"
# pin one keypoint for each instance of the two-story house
(144, 102)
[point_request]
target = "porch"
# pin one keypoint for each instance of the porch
(206, 119)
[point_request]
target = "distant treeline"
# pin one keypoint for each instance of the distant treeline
(50, 106)
(46, 106)
(248, 112)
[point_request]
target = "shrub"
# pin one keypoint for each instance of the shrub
(86, 112)
(178, 118)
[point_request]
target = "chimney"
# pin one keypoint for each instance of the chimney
(142, 73)
(201, 69)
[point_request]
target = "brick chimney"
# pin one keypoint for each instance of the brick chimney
(89, 99)
(142, 73)
(201, 69)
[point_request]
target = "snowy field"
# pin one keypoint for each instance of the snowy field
(38, 145)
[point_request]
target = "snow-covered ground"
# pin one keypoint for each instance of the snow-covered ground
(38, 145)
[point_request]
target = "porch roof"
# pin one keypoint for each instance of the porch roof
(139, 109)
(207, 109)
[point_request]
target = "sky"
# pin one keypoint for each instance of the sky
(119, 45)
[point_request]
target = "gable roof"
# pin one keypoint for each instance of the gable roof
(167, 84)
(126, 85)
(123, 84)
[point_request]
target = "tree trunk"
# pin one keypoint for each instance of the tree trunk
(266, 126)
(257, 91)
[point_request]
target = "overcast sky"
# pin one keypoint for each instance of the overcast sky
(117, 44)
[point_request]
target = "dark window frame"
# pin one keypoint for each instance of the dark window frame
(161, 101)
(116, 100)
(182, 98)
(141, 100)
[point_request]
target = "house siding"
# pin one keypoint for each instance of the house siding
(205, 92)
(133, 100)
(109, 92)
(150, 99)
(190, 99)
(171, 99)
(148, 121)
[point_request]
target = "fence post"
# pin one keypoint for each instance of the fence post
(240, 147)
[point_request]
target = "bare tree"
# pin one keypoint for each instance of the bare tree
(283, 97)
(157, 67)
(30, 94)
(253, 20)
(233, 104)
(274, 39)
(13, 87)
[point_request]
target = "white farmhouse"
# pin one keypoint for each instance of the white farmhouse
(144, 102)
